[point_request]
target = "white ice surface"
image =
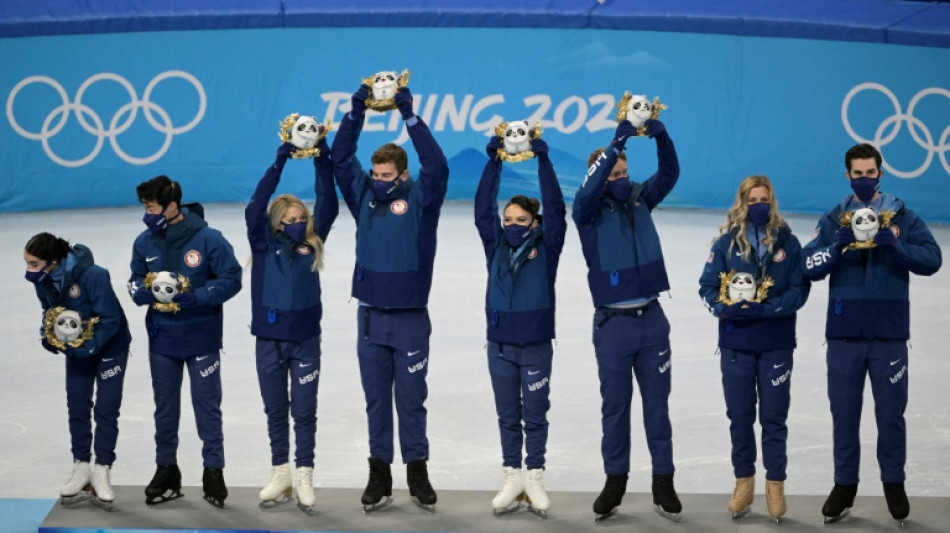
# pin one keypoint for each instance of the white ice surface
(465, 450)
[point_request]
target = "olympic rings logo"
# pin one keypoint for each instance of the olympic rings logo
(916, 127)
(121, 121)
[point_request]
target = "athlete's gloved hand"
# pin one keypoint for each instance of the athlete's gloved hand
(70, 351)
(843, 237)
(186, 299)
(539, 147)
(744, 311)
(625, 130)
(358, 101)
(143, 296)
(49, 347)
(654, 127)
(493, 145)
(323, 146)
(403, 100)
(284, 151)
(885, 238)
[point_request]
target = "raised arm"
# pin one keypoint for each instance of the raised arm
(667, 173)
(588, 196)
(552, 200)
(486, 199)
(434, 174)
(326, 207)
(255, 214)
(347, 171)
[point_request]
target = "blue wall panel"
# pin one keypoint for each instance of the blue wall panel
(738, 106)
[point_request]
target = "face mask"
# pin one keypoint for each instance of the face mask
(389, 190)
(37, 276)
(865, 188)
(516, 234)
(155, 223)
(296, 231)
(619, 189)
(759, 213)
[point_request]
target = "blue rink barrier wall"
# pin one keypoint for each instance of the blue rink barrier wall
(89, 116)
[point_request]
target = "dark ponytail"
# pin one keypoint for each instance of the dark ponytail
(48, 247)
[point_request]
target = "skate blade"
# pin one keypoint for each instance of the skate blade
(273, 504)
(739, 514)
(102, 504)
(373, 507)
(424, 506)
(666, 514)
(79, 497)
(605, 516)
(832, 519)
(170, 495)
(538, 512)
(214, 501)
(305, 508)
(514, 507)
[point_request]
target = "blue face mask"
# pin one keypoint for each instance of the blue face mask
(296, 231)
(155, 223)
(36, 277)
(759, 213)
(865, 188)
(620, 189)
(516, 234)
(389, 190)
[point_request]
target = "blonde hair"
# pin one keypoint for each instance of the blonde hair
(737, 216)
(278, 208)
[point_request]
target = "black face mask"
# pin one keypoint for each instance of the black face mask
(759, 213)
(865, 188)
(516, 234)
(38, 276)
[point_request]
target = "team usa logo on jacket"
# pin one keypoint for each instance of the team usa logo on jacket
(779, 255)
(192, 258)
(303, 249)
(75, 291)
(895, 230)
(533, 253)
(399, 207)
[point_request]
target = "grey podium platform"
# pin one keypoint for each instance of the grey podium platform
(338, 510)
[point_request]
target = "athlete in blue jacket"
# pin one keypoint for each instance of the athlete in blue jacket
(396, 223)
(287, 247)
(868, 326)
(178, 240)
(631, 333)
(522, 258)
(65, 276)
(756, 338)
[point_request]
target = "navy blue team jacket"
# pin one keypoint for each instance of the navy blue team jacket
(776, 329)
(395, 239)
(620, 243)
(206, 258)
(87, 289)
(519, 301)
(868, 296)
(285, 293)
